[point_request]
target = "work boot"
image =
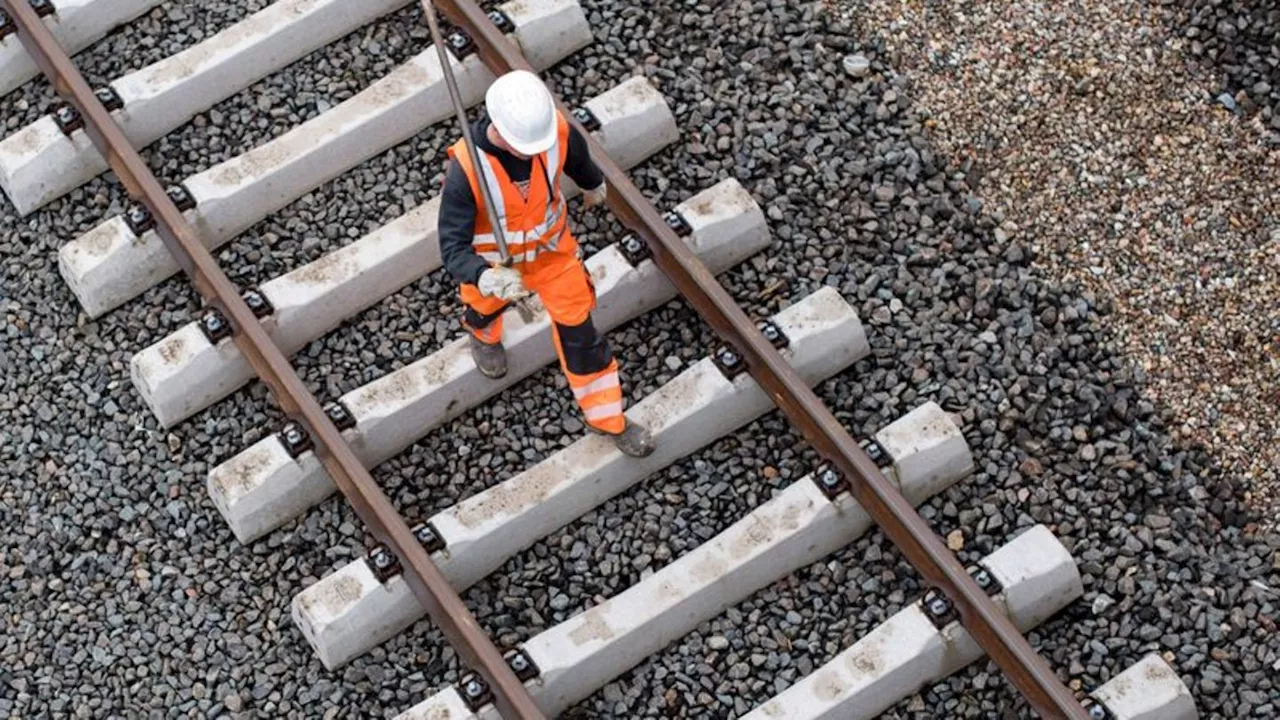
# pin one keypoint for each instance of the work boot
(634, 440)
(490, 359)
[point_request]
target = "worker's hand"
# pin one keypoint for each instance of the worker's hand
(597, 196)
(503, 283)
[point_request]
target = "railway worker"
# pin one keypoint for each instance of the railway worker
(526, 146)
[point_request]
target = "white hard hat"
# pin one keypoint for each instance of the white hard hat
(523, 112)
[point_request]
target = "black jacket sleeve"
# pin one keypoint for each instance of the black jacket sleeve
(457, 226)
(579, 165)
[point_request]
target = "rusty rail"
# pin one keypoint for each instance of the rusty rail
(370, 503)
(892, 512)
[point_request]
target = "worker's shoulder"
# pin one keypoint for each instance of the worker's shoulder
(457, 163)
(457, 184)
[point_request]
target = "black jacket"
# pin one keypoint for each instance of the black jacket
(458, 205)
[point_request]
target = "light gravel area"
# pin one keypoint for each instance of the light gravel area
(1135, 147)
(126, 595)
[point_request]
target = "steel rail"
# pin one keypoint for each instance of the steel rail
(897, 518)
(373, 507)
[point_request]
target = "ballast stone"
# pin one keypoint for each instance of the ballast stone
(908, 651)
(185, 373)
(263, 487)
(40, 163)
(799, 526)
(109, 265)
(76, 24)
(349, 612)
(856, 65)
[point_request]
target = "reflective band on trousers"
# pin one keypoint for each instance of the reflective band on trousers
(600, 412)
(595, 386)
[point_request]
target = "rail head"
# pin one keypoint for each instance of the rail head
(430, 586)
(892, 512)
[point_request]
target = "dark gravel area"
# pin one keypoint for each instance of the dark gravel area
(1241, 40)
(127, 596)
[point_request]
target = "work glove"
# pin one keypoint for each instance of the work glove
(597, 196)
(503, 283)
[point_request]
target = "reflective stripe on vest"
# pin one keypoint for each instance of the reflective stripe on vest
(525, 237)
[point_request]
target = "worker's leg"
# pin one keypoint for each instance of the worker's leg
(483, 320)
(565, 289)
(483, 316)
(592, 371)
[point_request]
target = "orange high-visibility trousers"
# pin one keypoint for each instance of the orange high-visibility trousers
(564, 287)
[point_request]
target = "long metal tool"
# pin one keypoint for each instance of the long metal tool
(992, 630)
(499, 232)
(370, 503)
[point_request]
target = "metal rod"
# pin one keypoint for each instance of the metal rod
(446, 67)
(374, 508)
(990, 628)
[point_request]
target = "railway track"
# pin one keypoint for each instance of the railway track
(417, 569)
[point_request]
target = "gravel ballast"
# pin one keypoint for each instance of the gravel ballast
(126, 595)
(1240, 43)
(1117, 142)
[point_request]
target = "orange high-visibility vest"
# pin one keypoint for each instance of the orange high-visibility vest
(533, 223)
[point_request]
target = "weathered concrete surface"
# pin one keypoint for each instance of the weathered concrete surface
(1150, 690)
(797, 527)
(39, 164)
(109, 265)
(349, 612)
(908, 652)
(262, 487)
(185, 373)
(76, 24)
